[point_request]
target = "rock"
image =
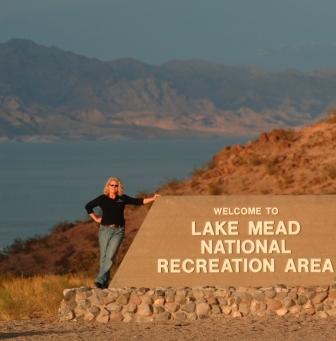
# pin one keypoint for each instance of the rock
(243, 296)
(96, 298)
(288, 302)
(170, 295)
(181, 292)
(144, 310)
(150, 293)
(130, 308)
(282, 311)
(236, 314)
(82, 295)
(79, 312)
(142, 319)
(202, 309)
(302, 300)
(69, 294)
(192, 316)
(274, 305)
(215, 309)
(281, 295)
(222, 300)
(68, 316)
(259, 296)
(172, 307)
(226, 310)
(189, 307)
(89, 317)
(331, 312)
(66, 306)
(159, 301)
(157, 309)
(244, 308)
(116, 316)
(128, 317)
(293, 294)
(123, 299)
(295, 309)
(319, 307)
(311, 293)
(320, 297)
(114, 307)
(146, 300)
(180, 299)
(103, 316)
(94, 310)
(134, 299)
(322, 314)
(221, 293)
(270, 293)
(141, 291)
(159, 293)
(164, 316)
(308, 305)
(180, 315)
(308, 311)
(84, 304)
(212, 300)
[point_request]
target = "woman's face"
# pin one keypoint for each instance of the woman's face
(114, 187)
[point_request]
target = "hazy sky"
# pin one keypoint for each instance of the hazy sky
(155, 31)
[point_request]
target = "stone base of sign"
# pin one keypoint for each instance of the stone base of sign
(162, 304)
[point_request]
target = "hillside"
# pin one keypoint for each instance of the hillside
(301, 161)
(47, 93)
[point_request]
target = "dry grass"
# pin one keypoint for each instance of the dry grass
(35, 297)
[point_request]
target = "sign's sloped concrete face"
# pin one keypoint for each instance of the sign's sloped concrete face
(296, 246)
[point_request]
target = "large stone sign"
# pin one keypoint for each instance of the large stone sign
(233, 240)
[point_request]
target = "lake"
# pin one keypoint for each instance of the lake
(43, 184)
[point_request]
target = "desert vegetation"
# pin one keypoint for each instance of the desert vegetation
(35, 297)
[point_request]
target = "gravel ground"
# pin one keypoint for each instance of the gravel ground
(270, 328)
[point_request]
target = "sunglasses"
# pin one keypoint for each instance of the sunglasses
(114, 185)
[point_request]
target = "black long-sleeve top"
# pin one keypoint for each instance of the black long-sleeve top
(113, 209)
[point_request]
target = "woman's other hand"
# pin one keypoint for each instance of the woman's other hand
(96, 218)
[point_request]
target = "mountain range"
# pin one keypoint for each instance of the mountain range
(47, 93)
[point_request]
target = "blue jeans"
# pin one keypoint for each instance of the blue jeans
(109, 242)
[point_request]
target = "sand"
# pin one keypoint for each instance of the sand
(270, 328)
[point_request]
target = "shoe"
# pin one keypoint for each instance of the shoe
(99, 285)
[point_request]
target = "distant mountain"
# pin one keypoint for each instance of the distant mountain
(47, 93)
(302, 56)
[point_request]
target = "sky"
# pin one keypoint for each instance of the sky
(155, 31)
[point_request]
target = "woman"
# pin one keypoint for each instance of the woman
(112, 223)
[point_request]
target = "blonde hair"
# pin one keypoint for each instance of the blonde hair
(107, 185)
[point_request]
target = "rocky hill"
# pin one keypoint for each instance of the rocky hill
(47, 93)
(301, 161)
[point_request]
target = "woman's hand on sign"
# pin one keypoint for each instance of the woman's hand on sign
(151, 199)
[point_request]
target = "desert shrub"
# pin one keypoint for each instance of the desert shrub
(20, 245)
(214, 189)
(211, 164)
(35, 297)
(143, 194)
(38, 257)
(62, 226)
(331, 171)
(331, 116)
(255, 160)
(198, 171)
(172, 183)
(271, 166)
